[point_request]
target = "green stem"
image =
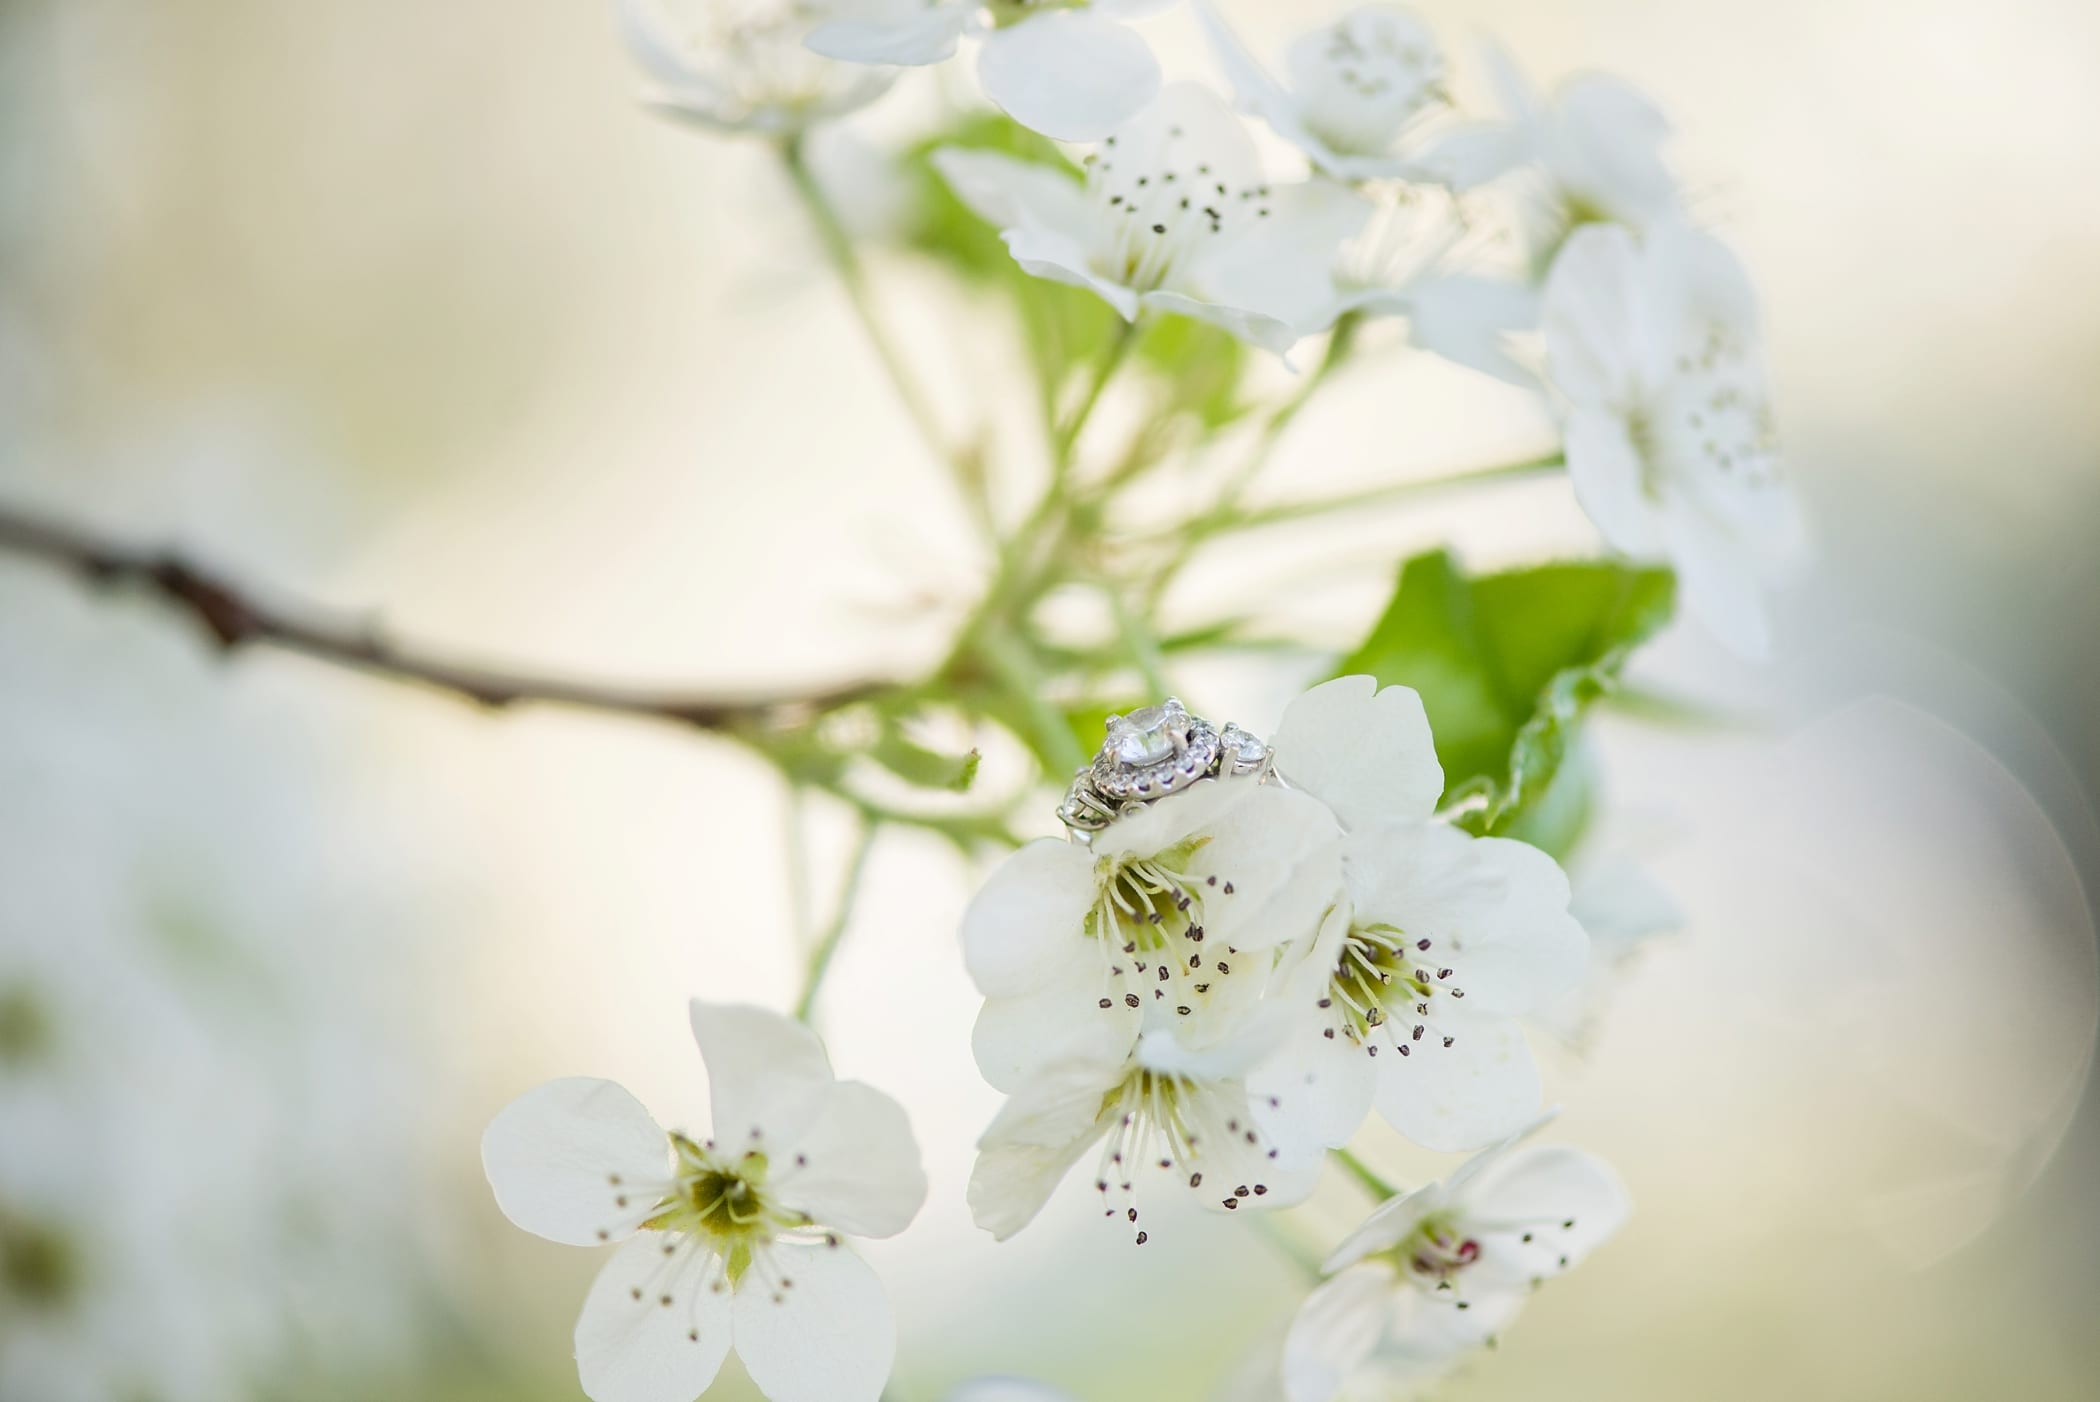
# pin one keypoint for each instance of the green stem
(1139, 641)
(1067, 439)
(838, 249)
(1289, 1243)
(1010, 658)
(1359, 1170)
(1391, 492)
(828, 945)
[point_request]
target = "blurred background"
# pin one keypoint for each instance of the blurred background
(408, 308)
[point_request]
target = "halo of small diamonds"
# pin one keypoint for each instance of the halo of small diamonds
(1151, 753)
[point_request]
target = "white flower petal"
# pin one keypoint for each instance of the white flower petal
(1277, 853)
(1482, 1087)
(764, 1071)
(1020, 929)
(1470, 155)
(1282, 267)
(1036, 1138)
(824, 1332)
(1173, 820)
(1610, 480)
(1608, 149)
(1596, 332)
(1335, 1331)
(1392, 1223)
(553, 1155)
(1493, 908)
(1322, 1086)
(631, 1346)
(912, 36)
(1016, 1037)
(1258, 329)
(1068, 74)
(1576, 1198)
(1718, 579)
(856, 1167)
(1426, 1334)
(1046, 253)
(1365, 753)
(1016, 194)
(1469, 320)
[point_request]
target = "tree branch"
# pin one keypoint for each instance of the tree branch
(235, 618)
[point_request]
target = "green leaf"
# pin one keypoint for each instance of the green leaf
(1507, 663)
(921, 767)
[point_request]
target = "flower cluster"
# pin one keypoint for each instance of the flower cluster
(1223, 983)
(1244, 949)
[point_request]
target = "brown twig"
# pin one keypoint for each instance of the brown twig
(235, 618)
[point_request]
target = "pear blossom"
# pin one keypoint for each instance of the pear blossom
(1175, 911)
(741, 65)
(1161, 1103)
(1073, 70)
(1436, 948)
(1437, 1272)
(1357, 89)
(1654, 345)
(1173, 216)
(731, 1240)
(1593, 153)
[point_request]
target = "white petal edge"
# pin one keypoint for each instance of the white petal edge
(827, 1335)
(1071, 75)
(856, 1167)
(630, 1346)
(1365, 753)
(552, 1156)
(1335, 1331)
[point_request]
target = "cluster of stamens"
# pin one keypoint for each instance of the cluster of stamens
(1161, 214)
(1381, 972)
(1147, 917)
(1436, 1254)
(723, 1205)
(1169, 1119)
(1723, 418)
(1383, 79)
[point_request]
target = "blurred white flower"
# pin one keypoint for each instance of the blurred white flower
(735, 1238)
(1161, 1103)
(1174, 216)
(1073, 70)
(1669, 432)
(1437, 946)
(1594, 153)
(741, 65)
(1417, 257)
(175, 901)
(1173, 914)
(1444, 1269)
(1007, 1390)
(1357, 87)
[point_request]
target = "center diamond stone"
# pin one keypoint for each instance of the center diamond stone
(1146, 736)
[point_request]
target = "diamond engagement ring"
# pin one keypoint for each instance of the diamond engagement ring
(1154, 752)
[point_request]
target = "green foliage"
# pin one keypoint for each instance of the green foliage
(1507, 663)
(924, 768)
(1201, 364)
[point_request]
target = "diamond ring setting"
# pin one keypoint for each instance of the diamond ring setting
(1154, 752)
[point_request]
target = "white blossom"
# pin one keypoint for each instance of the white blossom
(1435, 949)
(741, 65)
(1160, 1103)
(734, 1239)
(1437, 1272)
(1173, 216)
(1072, 70)
(1653, 342)
(1592, 154)
(1357, 88)
(1175, 911)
